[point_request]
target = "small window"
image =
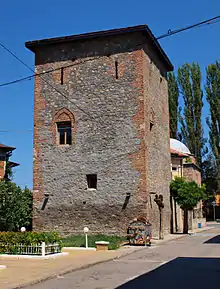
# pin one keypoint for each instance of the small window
(64, 133)
(61, 75)
(116, 69)
(92, 181)
(174, 168)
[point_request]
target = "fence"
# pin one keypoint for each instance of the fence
(39, 249)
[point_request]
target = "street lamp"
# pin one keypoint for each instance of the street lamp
(23, 229)
(214, 205)
(86, 230)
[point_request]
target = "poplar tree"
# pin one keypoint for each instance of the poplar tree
(173, 91)
(189, 79)
(213, 121)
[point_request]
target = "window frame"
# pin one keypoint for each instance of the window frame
(68, 127)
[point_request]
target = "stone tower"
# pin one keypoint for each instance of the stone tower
(101, 131)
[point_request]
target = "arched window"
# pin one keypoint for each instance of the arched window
(64, 126)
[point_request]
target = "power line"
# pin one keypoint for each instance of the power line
(42, 73)
(199, 24)
(32, 130)
(57, 90)
(170, 33)
(17, 80)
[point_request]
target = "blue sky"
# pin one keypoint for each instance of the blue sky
(21, 21)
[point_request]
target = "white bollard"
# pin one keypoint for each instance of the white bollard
(86, 230)
(43, 246)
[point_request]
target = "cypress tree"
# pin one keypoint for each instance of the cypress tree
(189, 79)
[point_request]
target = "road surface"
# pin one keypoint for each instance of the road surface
(187, 263)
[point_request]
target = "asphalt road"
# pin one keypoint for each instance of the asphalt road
(190, 262)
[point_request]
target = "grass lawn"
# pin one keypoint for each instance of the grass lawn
(79, 241)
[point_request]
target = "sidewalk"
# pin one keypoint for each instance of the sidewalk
(22, 272)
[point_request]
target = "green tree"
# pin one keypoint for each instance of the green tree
(209, 176)
(213, 98)
(15, 207)
(187, 196)
(173, 92)
(189, 79)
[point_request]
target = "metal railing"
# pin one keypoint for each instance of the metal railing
(39, 249)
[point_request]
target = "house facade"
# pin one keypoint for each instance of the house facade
(101, 131)
(5, 154)
(183, 164)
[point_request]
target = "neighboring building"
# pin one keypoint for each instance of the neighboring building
(5, 154)
(101, 146)
(183, 164)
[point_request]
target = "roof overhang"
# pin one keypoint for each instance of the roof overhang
(32, 45)
(12, 164)
(178, 154)
(6, 148)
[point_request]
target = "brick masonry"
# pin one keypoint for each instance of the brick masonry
(2, 169)
(112, 136)
(192, 173)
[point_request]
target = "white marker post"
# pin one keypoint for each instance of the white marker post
(86, 230)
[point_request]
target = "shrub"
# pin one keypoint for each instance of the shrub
(29, 238)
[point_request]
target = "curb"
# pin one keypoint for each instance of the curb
(70, 270)
(52, 256)
(79, 248)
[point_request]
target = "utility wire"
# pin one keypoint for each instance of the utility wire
(31, 130)
(57, 90)
(42, 73)
(170, 33)
(199, 24)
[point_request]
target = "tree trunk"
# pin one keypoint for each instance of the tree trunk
(171, 216)
(185, 222)
(176, 218)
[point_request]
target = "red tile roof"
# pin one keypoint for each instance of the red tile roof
(179, 154)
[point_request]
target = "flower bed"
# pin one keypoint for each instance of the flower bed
(30, 243)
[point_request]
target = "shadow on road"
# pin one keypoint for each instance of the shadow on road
(214, 240)
(180, 273)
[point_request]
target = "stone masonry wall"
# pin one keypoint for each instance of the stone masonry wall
(111, 137)
(157, 140)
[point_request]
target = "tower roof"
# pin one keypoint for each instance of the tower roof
(32, 45)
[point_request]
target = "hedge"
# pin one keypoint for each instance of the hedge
(29, 238)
